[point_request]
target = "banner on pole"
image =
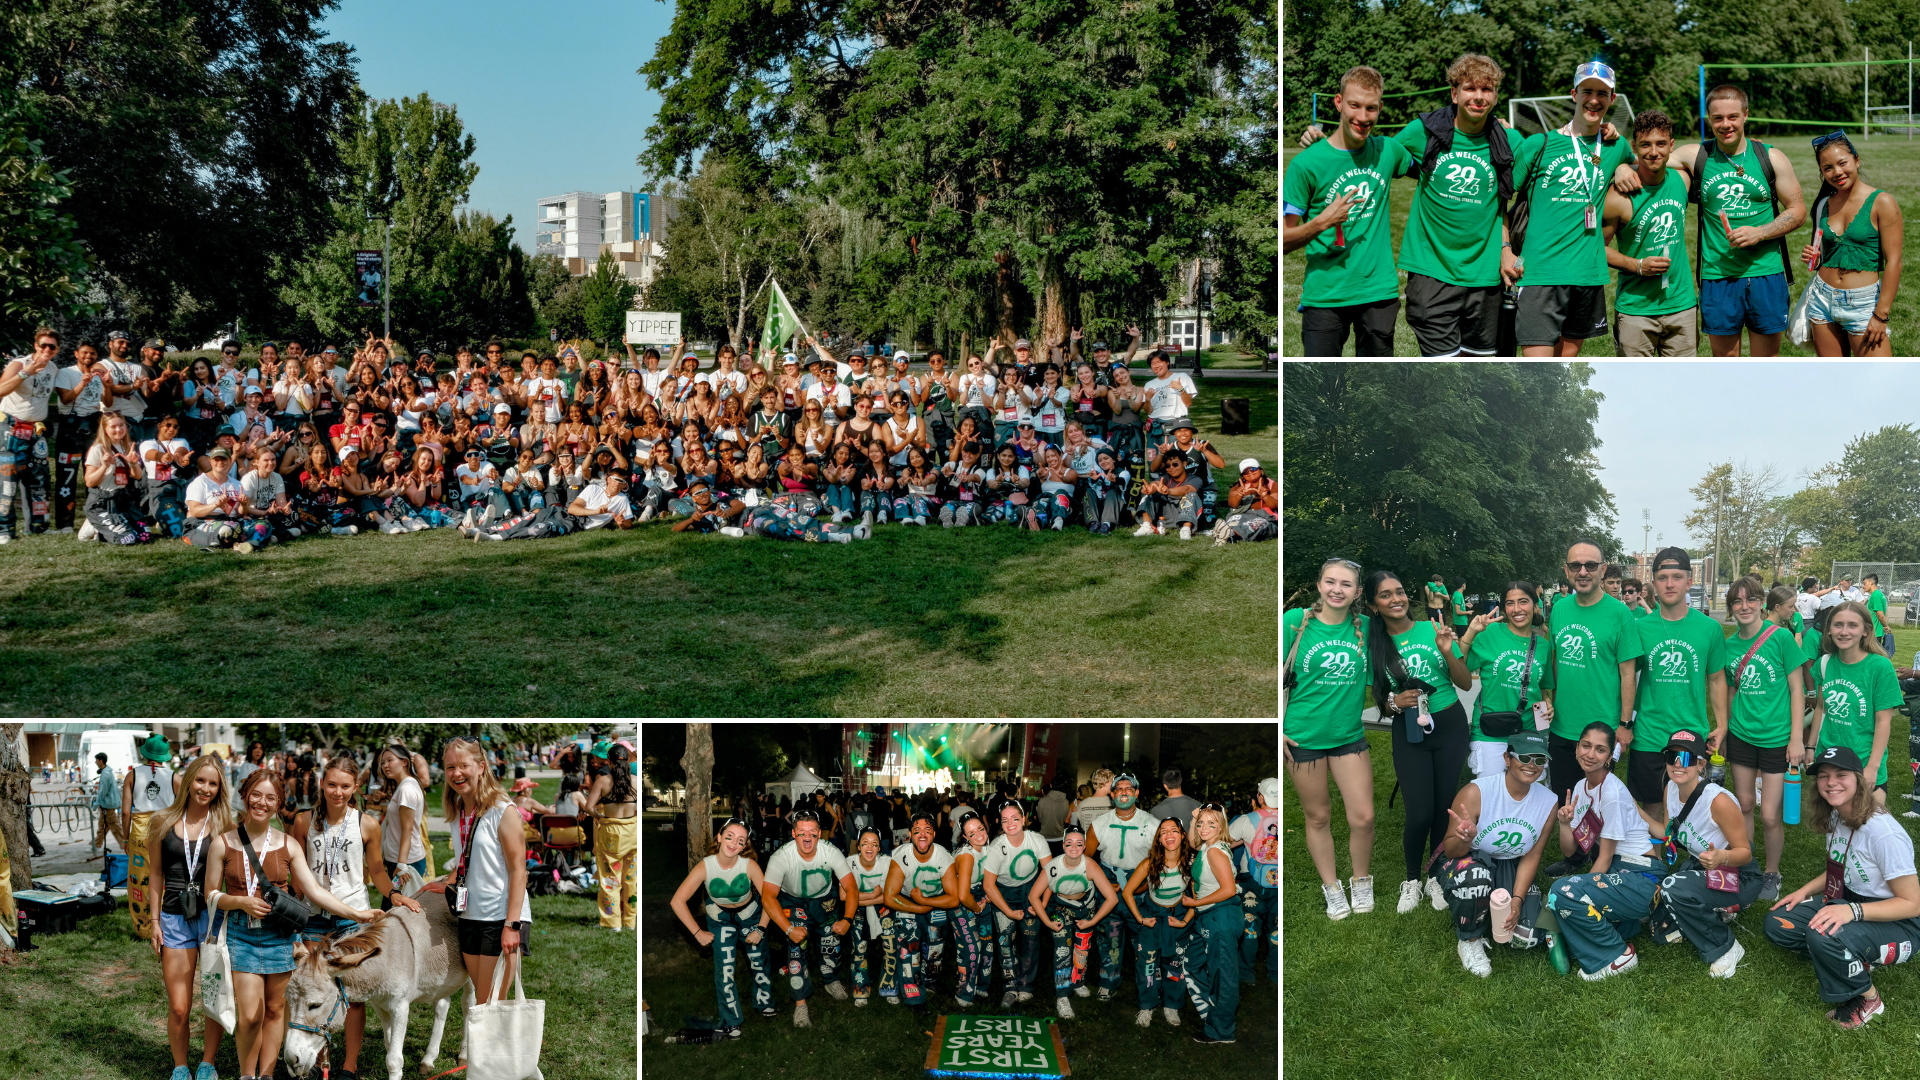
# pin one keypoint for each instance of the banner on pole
(997, 1046)
(781, 323)
(369, 276)
(653, 327)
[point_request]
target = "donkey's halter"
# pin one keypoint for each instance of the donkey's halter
(340, 1005)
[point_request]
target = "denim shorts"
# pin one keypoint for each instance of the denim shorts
(257, 952)
(180, 932)
(1847, 308)
(1758, 303)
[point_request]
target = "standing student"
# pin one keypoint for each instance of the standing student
(616, 839)
(1683, 677)
(1560, 290)
(924, 892)
(1336, 208)
(1499, 827)
(1656, 308)
(1765, 718)
(1596, 644)
(181, 839)
(1597, 911)
(1320, 730)
(1213, 970)
(973, 930)
(149, 788)
(1119, 838)
(1159, 882)
(1858, 693)
(1256, 841)
(1877, 610)
(106, 806)
(1430, 733)
(487, 881)
(26, 389)
(1514, 658)
(1861, 238)
(734, 914)
(873, 921)
(1711, 873)
(403, 820)
(1013, 860)
(807, 880)
(1439, 602)
(1867, 910)
(1072, 896)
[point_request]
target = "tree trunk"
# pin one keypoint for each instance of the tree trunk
(1054, 320)
(16, 791)
(698, 764)
(1003, 294)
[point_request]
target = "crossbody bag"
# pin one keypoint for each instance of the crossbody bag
(1505, 725)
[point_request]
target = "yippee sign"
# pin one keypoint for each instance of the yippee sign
(653, 327)
(1017, 1047)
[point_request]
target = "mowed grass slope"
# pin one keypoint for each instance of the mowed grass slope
(648, 622)
(1435, 1020)
(1887, 162)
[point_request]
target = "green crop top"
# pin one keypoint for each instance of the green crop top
(1856, 249)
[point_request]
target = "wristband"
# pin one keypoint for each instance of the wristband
(1858, 915)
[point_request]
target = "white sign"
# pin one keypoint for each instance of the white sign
(653, 327)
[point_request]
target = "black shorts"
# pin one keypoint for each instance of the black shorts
(1543, 314)
(1646, 774)
(481, 937)
(1323, 330)
(1452, 320)
(1302, 755)
(1767, 759)
(1563, 768)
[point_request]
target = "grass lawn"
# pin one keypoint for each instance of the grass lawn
(1891, 164)
(90, 1005)
(923, 622)
(1443, 1022)
(885, 1042)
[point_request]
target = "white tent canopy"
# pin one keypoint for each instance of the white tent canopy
(798, 784)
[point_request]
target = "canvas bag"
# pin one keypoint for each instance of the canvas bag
(216, 973)
(503, 1037)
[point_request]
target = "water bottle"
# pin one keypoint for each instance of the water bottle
(1790, 802)
(1498, 905)
(1716, 770)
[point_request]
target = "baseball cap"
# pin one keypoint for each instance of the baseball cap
(1672, 558)
(1690, 741)
(155, 343)
(116, 335)
(423, 352)
(1593, 69)
(902, 355)
(1027, 423)
(1099, 346)
(1527, 742)
(1838, 757)
(220, 451)
(1249, 463)
(503, 407)
(1023, 343)
(1270, 791)
(255, 388)
(790, 358)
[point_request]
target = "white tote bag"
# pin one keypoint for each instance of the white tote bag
(216, 976)
(503, 1037)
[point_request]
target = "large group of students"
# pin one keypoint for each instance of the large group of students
(1507, 238)
(1712, 730)
(317, 444)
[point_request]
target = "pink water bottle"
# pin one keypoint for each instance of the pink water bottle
(1499, 904)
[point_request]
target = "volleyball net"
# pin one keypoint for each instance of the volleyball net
(1860, 97)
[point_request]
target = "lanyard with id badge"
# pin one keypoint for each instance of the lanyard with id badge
(1586, 832)
(456, 894)
(1591, 218)
(1836, 886)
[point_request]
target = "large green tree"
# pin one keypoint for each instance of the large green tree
(606, 296)
(1481, 471)
(42, 265)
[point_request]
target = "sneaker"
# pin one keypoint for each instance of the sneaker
(1204, 1040)
(859, 1000)
(1171, 1016)
(63, 532)
(347, 530)
(1363, 894)
(1064, 1007)
(800, 1015)
(920, 520)
(1025, 996)
(864, 529)
(892, 999)
(1059, 523)
(728, 1032)
(836, 991)
(180, 1073)
(1409, 895)
(486, 535)
(6, 538)
(1104, 994)
(468, 531)
(87, 532)
(206, 1071)
(1145, 529)
(1159, 530)
(393, 528)
(646, 515)
(1336, 895)
(1910, 813)
(294, 534)
(418, 524)
(1081, 990)
(1856, 1011)
(1186, 532)
(1435, 895)
(1473, 957)
(466, 519)
(243, 548)
(1723, 967)
(1770, 886)
(1007, 999)
(1622, 964)
(1220, 533)
(769, 1011)
(1563, 868)
(489, 515)
(1144, 1018)
(946, 517)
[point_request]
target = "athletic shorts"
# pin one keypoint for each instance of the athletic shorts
(1849, 309)
(1323, 330)
(481, 937)
(1767, 759)
(1302, 755)
(1453, 320)
(1677, 334)
(1543, 314)
(180, 932)
(1646, 774)
(1757, 303)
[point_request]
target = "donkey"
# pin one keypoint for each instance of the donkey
(390, 963)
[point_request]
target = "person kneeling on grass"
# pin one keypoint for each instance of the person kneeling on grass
(1501, 855)
(1253, 508)
(1864, 912)
(1599, 910)
(219, 512)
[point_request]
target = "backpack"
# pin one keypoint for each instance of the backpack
(1521, 211)
(1773, 193)
(1439, 125)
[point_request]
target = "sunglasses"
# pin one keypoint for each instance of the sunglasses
(1587, 567)
(1832, 136)
(1536, 760)
(1682, 758)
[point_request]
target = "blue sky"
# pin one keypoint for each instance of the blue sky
(549, 92)
(1663, 425)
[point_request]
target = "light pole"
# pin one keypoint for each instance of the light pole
(1646, 526)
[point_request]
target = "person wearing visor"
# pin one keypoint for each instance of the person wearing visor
(923, 889)
(800, 888)
(1073, 897)
(1253, 507)
(874, 922)
(1599, 911)
(1119, 839)
(1859, 691)
(1863, 912)
(1499, 828)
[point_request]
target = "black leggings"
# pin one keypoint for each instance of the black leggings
(1429, 775)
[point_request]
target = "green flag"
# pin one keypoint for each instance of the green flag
(781, 322)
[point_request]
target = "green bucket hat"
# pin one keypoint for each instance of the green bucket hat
(601, 748)
(157, 749)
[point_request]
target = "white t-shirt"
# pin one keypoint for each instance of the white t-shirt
(1807, 605)
(476, 481)
(1698, 829)
(242, 426)
(805, 878)
(1015, 405)
(409, 796)
(545, 398)
(1619, 821)
(115, 478)
(924, 876)
(1072, 882)
(1011, 862)
(1510, 827)
(225, 494)
(726, 383)
(869, 878)
(975, 389)
(595, 499)
(299, 396)
(1050, 415)
(1164, 394)
(132, 404)
(1881, 851)
(166, 450)
(1123, 844)
(842, 399)
(88, 403)
(534, 478)
(263, 491)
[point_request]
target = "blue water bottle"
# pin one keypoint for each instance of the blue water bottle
(1790, 802)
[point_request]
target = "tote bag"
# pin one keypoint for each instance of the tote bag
(503, 1037)
(216, 976)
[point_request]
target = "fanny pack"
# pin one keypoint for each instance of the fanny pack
(1505, 725)
(289, 915)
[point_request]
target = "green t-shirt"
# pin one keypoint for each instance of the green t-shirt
(1677, 656)
(1421, 654)
(1562, 182)
(1323, 709)
(1877, 606)
(1737, 186)
(1590, 643)
(1658, 227)
(1436, 592)
(1810, 644)
(1853, 694)
(1500, 656)
(1362, 271)
(1453, 223)
(1762, 704)
(1459, 605)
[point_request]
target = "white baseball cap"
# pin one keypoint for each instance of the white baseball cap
(1249, 463)
(902, 355)
(1270, 791)
(789, 359)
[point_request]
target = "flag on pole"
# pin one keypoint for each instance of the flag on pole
(781, 323)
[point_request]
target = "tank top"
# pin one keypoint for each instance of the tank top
(152, 788)
(1699, 829)
(1509, 827)
(1656, 228)
(728, 888)
(29, 400)
(337, 856)
(238, 872)
(868, 878)
(1167, 887)
(176, 855)
(1069, 882)
(1737, 185)
(979, 854)
(1204, 881)
(486, 867)
(1856, 249)
(1126, 415)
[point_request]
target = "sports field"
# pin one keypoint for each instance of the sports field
(975, 621)
(1888, 161)
(887, 1042)
(1435, 1020)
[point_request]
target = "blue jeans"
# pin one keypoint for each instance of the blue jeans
(1160, 962)
(730, 927)
(816, 917)
(1018, 977)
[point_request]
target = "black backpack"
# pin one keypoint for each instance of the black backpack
(1711, 147)
(1439, 125)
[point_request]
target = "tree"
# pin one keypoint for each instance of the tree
(42, 265)
(1880, 488)
(1736, 506)
(605, 298)
(1481, 471)
(16, 795)
(545, 275)
(698, 765)
(484, 276)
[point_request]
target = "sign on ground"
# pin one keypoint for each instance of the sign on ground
(1010, 1047)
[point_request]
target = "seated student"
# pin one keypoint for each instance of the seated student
(1711, 872)
(1057, 481)
(916, 488)
(1253, 507)
(480, 495)
(706, 513)
(1599, 910)
(812, 433)
(1499, 829)
(1170, 498)
(217, 509)
(604, 504)
(967, 474)
(840, 475)
(168, 468)
(659, 479)
(798, 478)
(266, 492)
(876, 484)
(111, 466)
(1864, 911)
(524, 484)
(1106, 491)
(1005, 485)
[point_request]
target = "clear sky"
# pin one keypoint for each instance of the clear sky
(1662, 425)
(550, 93)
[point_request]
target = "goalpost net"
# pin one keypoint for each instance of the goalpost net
(1531, 116)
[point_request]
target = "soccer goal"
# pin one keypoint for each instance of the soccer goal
(1531, 116)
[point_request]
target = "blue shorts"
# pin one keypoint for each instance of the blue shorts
(1849, 309)
(257, 952)
(1757, 303)
(180, 932)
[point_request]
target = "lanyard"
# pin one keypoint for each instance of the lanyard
(466, 849)
(195, 847)
(246, 865)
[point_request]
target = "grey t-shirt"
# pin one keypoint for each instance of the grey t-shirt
(1091, 809)
(1052, 812)
(1180, 807)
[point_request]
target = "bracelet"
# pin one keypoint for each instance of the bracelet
(1877, 315)
(1858, 915)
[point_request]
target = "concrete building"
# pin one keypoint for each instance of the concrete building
(580, 226)
(1189, 323)
(56, 742)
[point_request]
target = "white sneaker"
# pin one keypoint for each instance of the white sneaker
(800, 1015)
(1081, 990)
(295, 533)
(1186, 532)
(1144, 1018)
(862, 530)
(1159, 530)
(1473, 957)
(393, 528)
(1064, 1007)
(243, 548)
(1171, 1016)
(1025, 996)
(1409, 895)
(1436, 895)
(921, 520)
(466, 519)
(1007, 999)
(1059, 523)
(489, 535)
(645, 516)
(1105, 994)
(346, 530)
(1627, 962)
(1145, 529)
(491, 514)
(468, 531)
(859, 1001)
(417, 524)
(1363, 894)
(732, 530)
(836, 991)
(1723, 967)
(5, 538)
(87, 532)
(1336, 895)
